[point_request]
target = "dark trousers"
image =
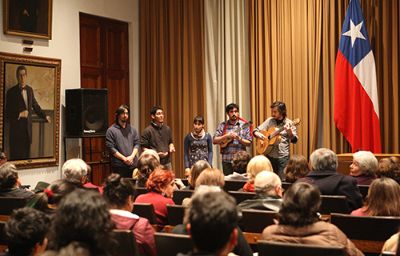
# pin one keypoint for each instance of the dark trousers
(125, 172)
(279, 164)
(227, 168)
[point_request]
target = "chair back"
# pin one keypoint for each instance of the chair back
(268, 248)
(169, 244)
(233, 185)
(331, 203)
(179, 195)
(8, 204)
(368, 233)
(145, 210)
(140, 191)
(240, 196)
(175, 214)
(126, 243)
(256, 220)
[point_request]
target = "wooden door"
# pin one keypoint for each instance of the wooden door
(104, 64)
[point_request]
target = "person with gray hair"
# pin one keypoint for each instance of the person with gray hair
(363, 167)
(10, 185)
(76, 170)
(323, 163)
(268, 188)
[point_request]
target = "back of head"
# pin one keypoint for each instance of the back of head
(8, 176)
(159, 179)
(211, 177)
(58, 189)
(389, 167)
(149, 152)
(267, 183)
(196, 169)
(82, 216)
(26, 228)
(75, 170)
(300, 205)
(240, 161)
(146, 165)
(323, 159)
(257, 164)
(383, 198)
(117, 190)
(213, 217)
(296, 168)
(367, 162)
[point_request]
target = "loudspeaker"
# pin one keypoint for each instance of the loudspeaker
(86, 112)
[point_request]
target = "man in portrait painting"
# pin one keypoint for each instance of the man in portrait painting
(20, 104)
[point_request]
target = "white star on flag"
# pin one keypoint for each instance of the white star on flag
(354, 32)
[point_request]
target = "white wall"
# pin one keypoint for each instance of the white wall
(65, 46)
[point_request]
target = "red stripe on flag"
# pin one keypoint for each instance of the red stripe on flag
(354, 113)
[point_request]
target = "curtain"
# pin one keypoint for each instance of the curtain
(171, 66)
(226, 62)
(293, 46)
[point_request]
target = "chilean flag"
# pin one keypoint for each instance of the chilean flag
(356, 109)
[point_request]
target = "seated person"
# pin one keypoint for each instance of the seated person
(296, 168)
(82, 216)
(383, 199)
(26, 232)
(299, 221)
(10, 185)
(392, 245)
(257, 164)
(48, 200)
(76, 170)
(363, 167)
(389, 167)
(3, 158)
(118, 192)
(161, 186)
(323, 164)
(212, 223)
(147, 163)
(268, 189)
(194, 173)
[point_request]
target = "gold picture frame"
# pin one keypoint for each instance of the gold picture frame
(28, 18)
(30, 117)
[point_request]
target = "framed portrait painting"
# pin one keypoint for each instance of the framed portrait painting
(30, 103)
(29, 18)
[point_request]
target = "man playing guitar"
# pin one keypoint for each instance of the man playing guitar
(280, 151)
(232, 135)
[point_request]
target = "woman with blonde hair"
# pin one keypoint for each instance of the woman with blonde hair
(382, 199)
(211, 177)
(257, 164)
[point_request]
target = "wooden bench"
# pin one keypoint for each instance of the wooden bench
(269, 248)
(169, 244)
(240, 196)
(367, 233)
(179, 195)
(126, 243)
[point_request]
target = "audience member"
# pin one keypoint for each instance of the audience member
(323, 163)
(363, 167)
(268, 188)
(383, 199)
(10, 185)
(147, 163)
(48, 200)
(212, 223)
(119, 192)
(194, 173)
(299, 221)
(77, 171)
(389, 167)
(82, 216)
(242, 248)
(240, 161)
(257, 164)
(26, 232)
(161, 187)
(296, 168)
(72, 249)
(392, 245)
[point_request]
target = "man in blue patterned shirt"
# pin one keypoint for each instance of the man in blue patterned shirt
(232, 135)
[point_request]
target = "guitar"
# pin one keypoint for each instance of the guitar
(237, 130)
(272, 137)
